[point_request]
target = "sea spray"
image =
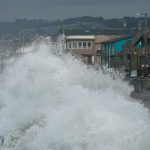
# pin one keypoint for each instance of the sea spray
(52, 102)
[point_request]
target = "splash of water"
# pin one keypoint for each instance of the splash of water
(56, 103)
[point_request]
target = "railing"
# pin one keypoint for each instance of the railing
(140, 83)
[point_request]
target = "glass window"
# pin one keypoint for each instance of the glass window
(84, 44)
(68, 44)
(89, 44)
(74, 44)
(92, 59)
(79, 44)
(113, 49)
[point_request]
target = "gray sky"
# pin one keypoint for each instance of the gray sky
(60, 9)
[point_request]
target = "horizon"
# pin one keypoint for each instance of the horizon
(55, 9)
(62, 19)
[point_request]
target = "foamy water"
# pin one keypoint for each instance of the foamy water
(49, 102)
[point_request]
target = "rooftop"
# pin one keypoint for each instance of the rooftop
(80, 37)
(116, 39)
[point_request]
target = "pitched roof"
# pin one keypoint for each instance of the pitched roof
(117, 39)
(80, 37)
(136, 38)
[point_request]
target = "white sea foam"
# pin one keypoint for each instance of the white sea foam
(57, 103)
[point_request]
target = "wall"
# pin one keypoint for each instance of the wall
(119, 44)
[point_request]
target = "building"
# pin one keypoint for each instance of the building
(137, 53)
(84, 47)
(111, 51)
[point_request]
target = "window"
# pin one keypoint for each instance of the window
(84, 45)
(69, 45)
(79, 44)
(113, 49)
(102, 47)
(89, 44)
(74, 44)
(92, 59)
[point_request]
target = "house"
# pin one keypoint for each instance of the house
(137, 52)
(84, 47)
(111, 50)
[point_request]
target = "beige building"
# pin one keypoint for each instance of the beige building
(85, 47)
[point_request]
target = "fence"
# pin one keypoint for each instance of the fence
(140, 83)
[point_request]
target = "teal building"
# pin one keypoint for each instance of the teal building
(137, 53)
(111, 49)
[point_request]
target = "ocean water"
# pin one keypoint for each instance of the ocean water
(51, 102)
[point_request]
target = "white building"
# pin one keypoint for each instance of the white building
(85, 47)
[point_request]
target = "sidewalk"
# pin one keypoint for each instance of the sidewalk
(144, 97)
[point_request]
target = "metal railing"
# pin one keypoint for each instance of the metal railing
(140, 84)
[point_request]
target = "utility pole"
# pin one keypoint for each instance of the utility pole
(1, 57)
(23, 43)
(145, 41)
(63, 40)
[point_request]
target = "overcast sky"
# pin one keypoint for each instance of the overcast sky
(60, 9)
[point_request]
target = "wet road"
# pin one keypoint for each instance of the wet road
(143, 97)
